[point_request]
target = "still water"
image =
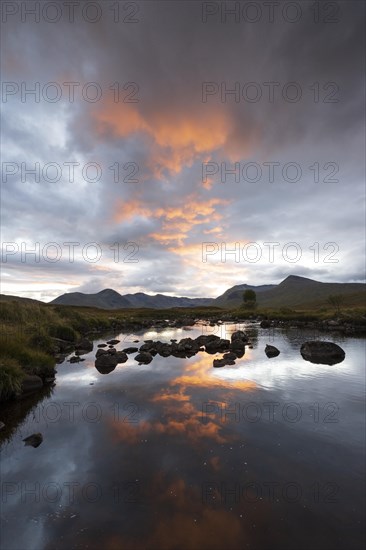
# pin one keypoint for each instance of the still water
(265, 454)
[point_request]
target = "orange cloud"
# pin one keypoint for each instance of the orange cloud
(178, 138)
(176, 221)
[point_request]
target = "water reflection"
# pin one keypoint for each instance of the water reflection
(179, 455)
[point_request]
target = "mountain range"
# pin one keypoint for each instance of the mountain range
(293, 291)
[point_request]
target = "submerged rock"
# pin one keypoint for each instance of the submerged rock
(271, 351)
(76, 359)
(113, 342)
(326, 353)
(33, 440)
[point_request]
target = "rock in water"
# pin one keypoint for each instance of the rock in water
(144, 357)
(84, 346)
(121, 356)
(271, 351)
(34, 440)
(106, 363)
(239, 335)
(219, 363)
(325, 353)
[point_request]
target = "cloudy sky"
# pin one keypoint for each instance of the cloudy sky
(162, 146)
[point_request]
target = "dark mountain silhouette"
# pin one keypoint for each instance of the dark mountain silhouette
(294, 291)
(110, 299)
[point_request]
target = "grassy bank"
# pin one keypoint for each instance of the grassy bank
(31, 331)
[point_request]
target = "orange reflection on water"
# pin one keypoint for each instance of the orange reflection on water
(206, 376)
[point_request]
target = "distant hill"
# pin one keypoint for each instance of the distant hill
(297, 291)
(110, 299)
(293, 292)
(105, 299)
(234, 295)
(162, 301)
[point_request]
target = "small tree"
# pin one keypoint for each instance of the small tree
(336, 301)
(250, 299)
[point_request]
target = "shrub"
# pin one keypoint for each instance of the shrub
(31, 360)
(11, 376)
(64, 332)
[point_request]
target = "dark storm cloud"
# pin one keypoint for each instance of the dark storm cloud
(169, 212)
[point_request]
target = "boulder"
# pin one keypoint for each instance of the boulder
(102, 345)
(33, 440)
(144, 357)
(237, 346)
(215, 346)
(76, 359)
(239, 335)
(121, 356)
(265, 323)
(227, 359)
(106, 363)
(326, 353)
(230, 356)
(84, 345)
(31, 382)
(219, 363)
(113, 342)
(271, 351)
(101, 352)
(130, 349)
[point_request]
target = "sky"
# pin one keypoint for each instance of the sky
(181, 147)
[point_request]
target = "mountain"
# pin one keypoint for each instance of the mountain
(293, 292)
(162, 301)
(297, 291)
(110, 299)
(234, 295)
(105, 299)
